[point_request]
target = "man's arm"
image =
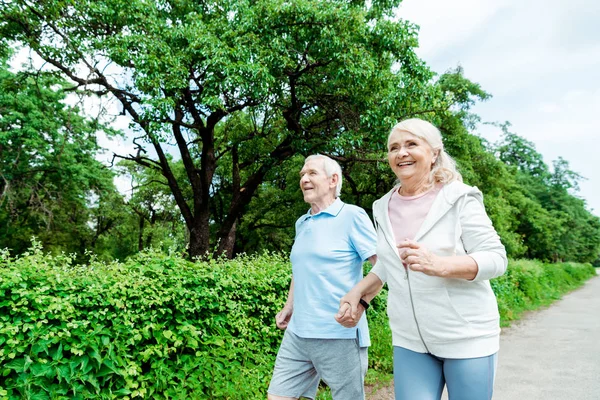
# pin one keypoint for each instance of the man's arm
(283, 317)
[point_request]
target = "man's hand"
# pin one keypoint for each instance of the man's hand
(282, 319)
(350, 309)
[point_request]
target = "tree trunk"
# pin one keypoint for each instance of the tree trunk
(153, 219)
(199, 245)
(141, 233)
(227, 242)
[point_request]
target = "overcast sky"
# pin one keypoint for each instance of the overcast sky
(540, 60)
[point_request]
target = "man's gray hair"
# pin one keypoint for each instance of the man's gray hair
(331, 168)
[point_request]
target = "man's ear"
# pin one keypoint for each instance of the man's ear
(334, 180)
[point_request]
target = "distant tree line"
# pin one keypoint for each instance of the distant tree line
(225, 99)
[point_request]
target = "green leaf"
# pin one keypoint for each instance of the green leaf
(42, 370)
(58, 353)
(122, 392)
(16, 364)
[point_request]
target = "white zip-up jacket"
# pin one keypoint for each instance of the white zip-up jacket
(447, 317)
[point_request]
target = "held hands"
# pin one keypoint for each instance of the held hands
(418, 258)
(283, 317)
(350, 311)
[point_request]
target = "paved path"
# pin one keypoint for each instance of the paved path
(551, 354)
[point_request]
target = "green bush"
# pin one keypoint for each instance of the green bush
(381, 335)
(158, 326)
(530, 284)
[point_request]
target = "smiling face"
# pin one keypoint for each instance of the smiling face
(316, 186)
(410, 157)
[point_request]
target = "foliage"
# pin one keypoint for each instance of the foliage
(156, 326)
(240, 87)
(149, 215)
(159, 326)
(50, 181)
(366, 174)
(530, 206)
(554, 223)
(530, 284)
(381, 334)
(480, 168)
(226, 98)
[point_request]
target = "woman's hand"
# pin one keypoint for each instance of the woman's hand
(418, 258)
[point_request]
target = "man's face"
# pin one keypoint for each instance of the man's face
(315, 184)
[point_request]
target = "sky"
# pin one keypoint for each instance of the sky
(540, 60)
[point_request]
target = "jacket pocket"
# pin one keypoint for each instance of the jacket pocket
(475, 301)
(438, 319)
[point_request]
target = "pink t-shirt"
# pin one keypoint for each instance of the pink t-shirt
(408, 213)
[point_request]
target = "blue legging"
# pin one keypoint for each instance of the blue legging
(423, 376)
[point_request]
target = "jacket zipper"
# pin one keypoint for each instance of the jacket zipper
(412, 304)
(406, 277)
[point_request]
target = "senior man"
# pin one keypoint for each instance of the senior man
(333, 239)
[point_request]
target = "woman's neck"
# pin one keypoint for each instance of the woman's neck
(409, 189)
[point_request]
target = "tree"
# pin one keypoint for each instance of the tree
(307, 76)
(48, 171)
(554, 223)
(154, 212)
(517, 151)
(367, 176)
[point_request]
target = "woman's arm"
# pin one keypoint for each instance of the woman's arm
(485, 258)
(350, 309)
(481, 241)
(418, 258)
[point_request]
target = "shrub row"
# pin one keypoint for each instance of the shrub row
(158, 326)
(530, 284)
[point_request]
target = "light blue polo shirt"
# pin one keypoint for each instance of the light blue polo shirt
(327, 258)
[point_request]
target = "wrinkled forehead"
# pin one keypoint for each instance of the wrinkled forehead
(314, 164)
(401, 135)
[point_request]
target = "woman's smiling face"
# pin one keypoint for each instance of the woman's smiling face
(410, 157)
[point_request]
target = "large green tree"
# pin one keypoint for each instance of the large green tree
(154, 216)
(446, 101)
(49, 176)
(553, 222)
(308, 75)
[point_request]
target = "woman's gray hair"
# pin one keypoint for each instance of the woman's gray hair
(444, 169)
(331, 168)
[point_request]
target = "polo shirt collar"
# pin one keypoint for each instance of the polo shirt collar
(333, 209)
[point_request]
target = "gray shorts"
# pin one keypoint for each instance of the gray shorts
(301, 363)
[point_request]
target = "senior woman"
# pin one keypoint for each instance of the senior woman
(437, 250)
